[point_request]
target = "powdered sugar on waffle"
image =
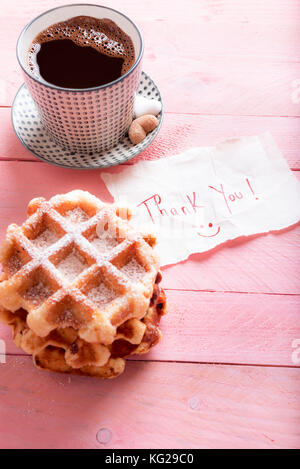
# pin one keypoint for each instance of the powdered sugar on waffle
(75, 251)
(101, 295)
(77, 215)
(66, 317)
(104, 243)
(38, 293)
(133, 270)
(45, 239)
(71, 266)
(14, 264)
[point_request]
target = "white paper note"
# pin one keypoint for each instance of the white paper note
(204, 197)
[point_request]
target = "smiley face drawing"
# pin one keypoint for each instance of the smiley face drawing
(212, 231)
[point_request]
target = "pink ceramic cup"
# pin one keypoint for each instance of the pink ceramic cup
(83, 120)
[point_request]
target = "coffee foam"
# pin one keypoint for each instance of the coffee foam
(102, 34)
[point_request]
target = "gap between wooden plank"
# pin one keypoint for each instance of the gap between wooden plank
(181, 132)
(21, 160)
(200, 114)
(180, 362)
(214, 328)
(230, 291)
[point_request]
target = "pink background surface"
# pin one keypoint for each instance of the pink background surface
(224, 375)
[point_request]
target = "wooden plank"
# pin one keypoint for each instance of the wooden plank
(262, 264)
(228, 70)
(211, 87)
(222, 328)
(265, 264)
(222, 28)
(152, 405)
(222, 87)
(182, 131)
(218, 65)
(269, 12)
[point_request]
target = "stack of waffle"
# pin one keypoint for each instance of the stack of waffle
(80, 287)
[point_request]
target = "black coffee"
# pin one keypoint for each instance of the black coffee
(81, 52)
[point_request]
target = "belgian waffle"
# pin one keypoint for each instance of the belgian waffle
(63, 351)
(78, 270)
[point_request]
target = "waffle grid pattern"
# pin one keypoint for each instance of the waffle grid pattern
(76, 264)
(62, 351)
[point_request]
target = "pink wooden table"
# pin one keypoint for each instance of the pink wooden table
(227, 372)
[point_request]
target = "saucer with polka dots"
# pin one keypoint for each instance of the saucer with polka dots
(32, 134)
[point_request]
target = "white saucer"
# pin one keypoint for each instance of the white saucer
(32, 134)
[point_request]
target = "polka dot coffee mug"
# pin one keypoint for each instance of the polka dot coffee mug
(83, 120)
